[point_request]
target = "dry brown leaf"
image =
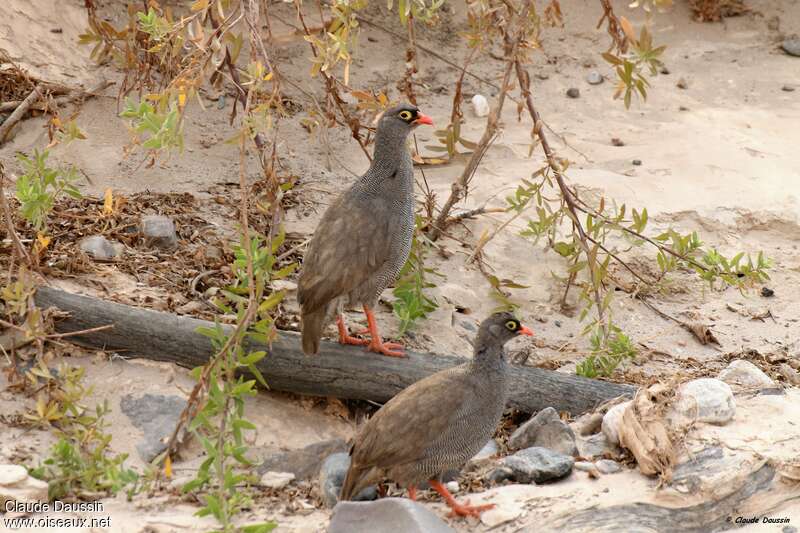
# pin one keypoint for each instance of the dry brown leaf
(643, 431)
(701, 332)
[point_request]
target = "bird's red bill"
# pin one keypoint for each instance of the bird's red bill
(424, 119)
(525, 331)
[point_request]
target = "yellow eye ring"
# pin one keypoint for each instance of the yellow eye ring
(511, 325)
(405, 115)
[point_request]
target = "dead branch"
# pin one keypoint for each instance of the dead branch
(460, 186)
(18, 113)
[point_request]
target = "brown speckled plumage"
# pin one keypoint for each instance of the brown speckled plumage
(438, 423)
(364, 237)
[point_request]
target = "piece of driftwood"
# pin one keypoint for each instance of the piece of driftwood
(19, 112)
(755, 496)
(339, 371)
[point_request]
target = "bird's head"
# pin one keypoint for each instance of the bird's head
(404, 117)
(502, 327)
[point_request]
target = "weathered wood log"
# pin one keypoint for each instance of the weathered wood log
(339, 371)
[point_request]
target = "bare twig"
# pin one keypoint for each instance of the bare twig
(460, 186)
(18, 113)
(567, 194)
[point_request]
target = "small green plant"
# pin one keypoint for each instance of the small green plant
(606, 356)
(160, 126)
(412, 303)
(40, 185)
(80, 463)
(220, 424)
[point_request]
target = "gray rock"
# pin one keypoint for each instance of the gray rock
(489, 450)
(156, 415)
(276, 480)
(789, 529)
(792, 46)
(706, 400)
(99, 248)
(594, 78)
(611, 421)
(538, 465)
(547, 430)
(787, 88)
(572, 92)
(637, 162)
(387, 515)
(331, 479)
(595, 446)
(682, 84)
(746, 375)
(303, 463)
(607, 466)
(159, 232)
(500, 474)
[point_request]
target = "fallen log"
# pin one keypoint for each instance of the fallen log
(339, 371)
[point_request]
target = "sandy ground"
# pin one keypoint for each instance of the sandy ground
(719, 156)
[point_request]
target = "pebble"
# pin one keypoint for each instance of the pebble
(159, 232)
(766, 292)
(792, 46)
(572, 92)
(611, 422)
(100, 248)
(305, 462)
(500, 515)
(452, 486)
(480, 105)
(787, 88)
(616, 141)
(607, 466)
(542, 75)
(637, 162)
(682, 84)
(331, 479)
(545, 430)
(17, 485)
(276, 480)
(594, 78)
(664, 70)
(789, 374)
(387, 515)
(596, 446)
(744, 374)
(537, 465)
(789, 529)
(156, 415)
(706, 400)
(584, 466)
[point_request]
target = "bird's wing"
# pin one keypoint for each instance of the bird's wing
(350, 244)
(404, 429)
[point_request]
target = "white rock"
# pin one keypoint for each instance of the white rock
(500, 515)
(480, 105)
(452, 486)
(276, 480)
(10, 474)
(607, 466)
(611, 421)
(745, 374)
(706, 400)
(27, 489)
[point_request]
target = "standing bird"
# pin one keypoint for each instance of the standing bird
(438, 423)
(363, 239)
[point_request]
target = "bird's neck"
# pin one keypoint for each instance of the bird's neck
(390, 151)
(488, 358)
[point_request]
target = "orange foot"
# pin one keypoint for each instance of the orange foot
(459, 509)
(345, 338)
(376, 345)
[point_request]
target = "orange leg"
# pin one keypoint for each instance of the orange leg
(459, 509)
(344, 337)
(376, 344)
(412, 493)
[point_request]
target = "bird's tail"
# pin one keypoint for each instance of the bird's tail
(353, 483)
(312, 325)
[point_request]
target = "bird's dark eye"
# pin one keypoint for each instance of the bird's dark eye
(405, 115)
(511, 325)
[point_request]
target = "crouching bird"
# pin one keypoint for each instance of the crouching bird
(363, 239)
(438, 423)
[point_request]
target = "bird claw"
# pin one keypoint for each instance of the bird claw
(386, 348)
(465, 509)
